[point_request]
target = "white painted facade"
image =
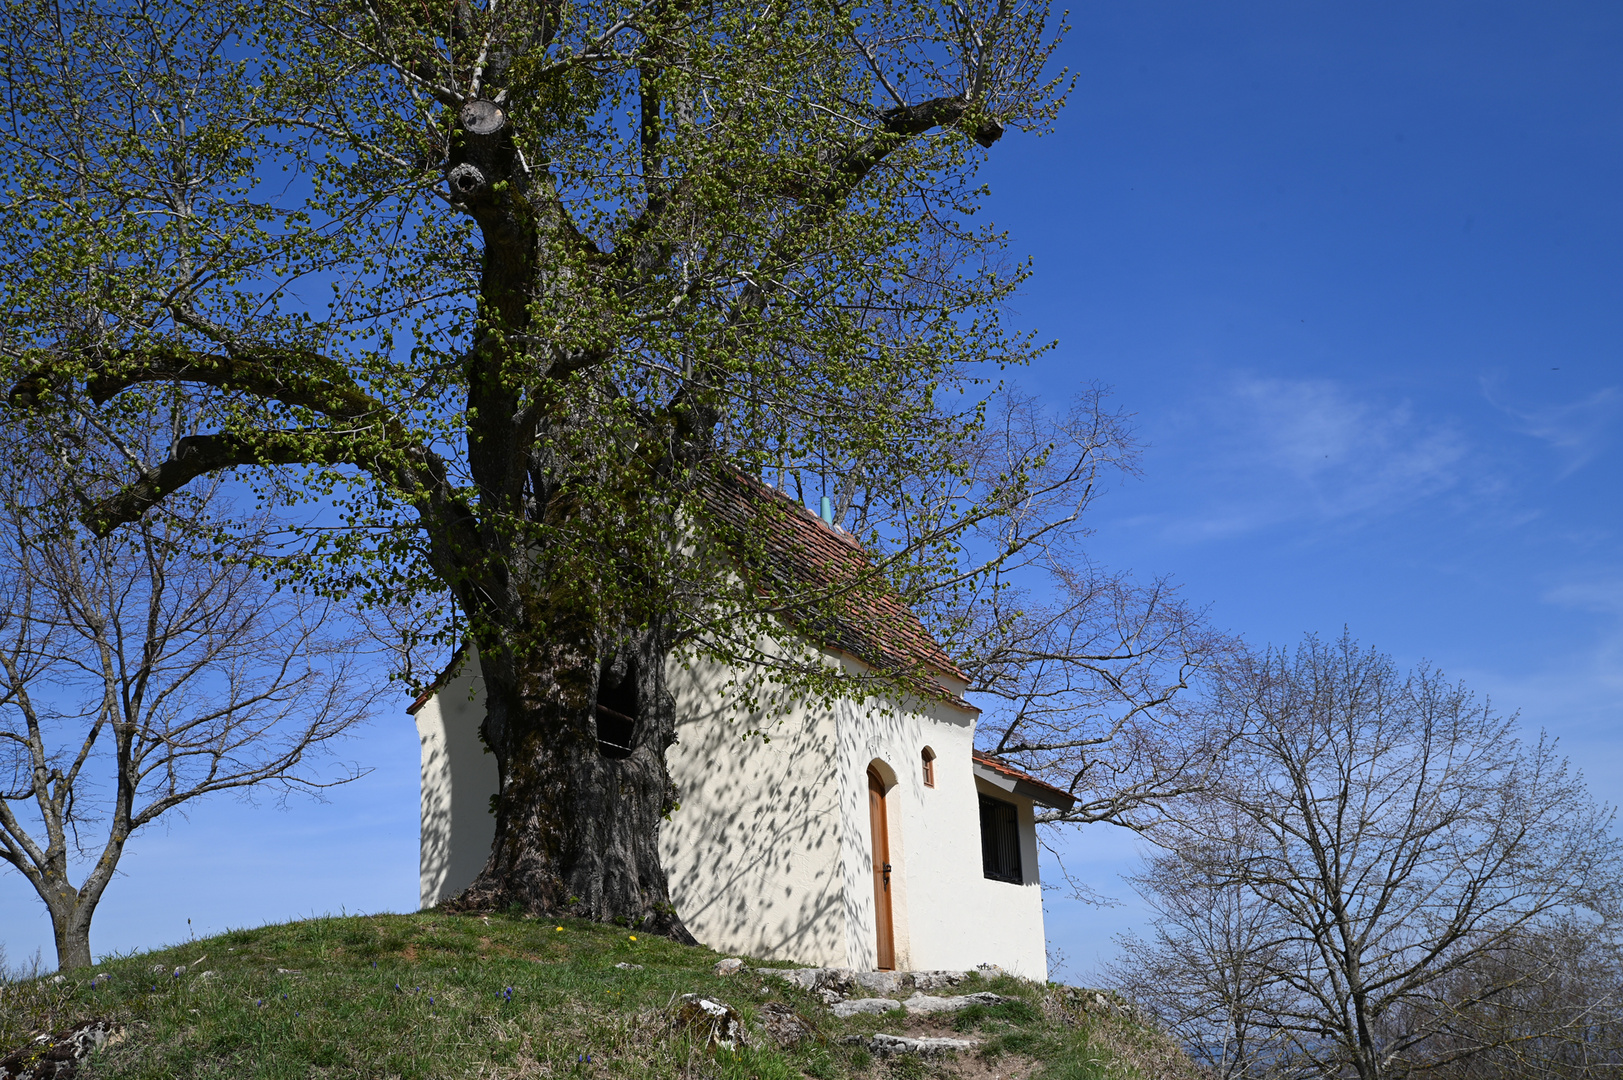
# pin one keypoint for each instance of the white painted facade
(769, 853)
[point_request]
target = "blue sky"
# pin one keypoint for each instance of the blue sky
(1357, 270)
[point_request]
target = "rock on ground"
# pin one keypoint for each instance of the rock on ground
(785, 1026)
(920, 1004)
(882, 1045)
(716, 1022)
(882, 983)
(937, 980)
(812, 978)
(833, 984)
(846, 1009)
(730, 966)
(57, 1057)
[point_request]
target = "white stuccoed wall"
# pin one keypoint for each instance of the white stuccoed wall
(947, 914)
(459, 778)
(768, 854)
(753, 852)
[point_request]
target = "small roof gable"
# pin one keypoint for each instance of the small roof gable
(799, 554)
(439, 680)
(1012, 780)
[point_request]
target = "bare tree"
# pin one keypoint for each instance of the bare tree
(138, 674)
(1393, 844)
(1203, 971)
(1549, 1004)
(1089, 678)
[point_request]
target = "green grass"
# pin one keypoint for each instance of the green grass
(435, 995)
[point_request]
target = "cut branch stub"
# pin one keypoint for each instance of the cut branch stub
(466, 179)
(481, 117)
(988, 132)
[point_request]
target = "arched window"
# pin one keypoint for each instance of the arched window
(929, 767)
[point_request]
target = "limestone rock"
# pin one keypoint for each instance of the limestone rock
(57, 1057)
(847, 1009)
(785, 1026)
(887, 1045)
(1070, 1004)
(730, 966)
(715, 1022)
(920, 1004)
(937, 980)
(839, 979)
(884, 983)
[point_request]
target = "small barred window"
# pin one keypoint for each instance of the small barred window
(1000, 841)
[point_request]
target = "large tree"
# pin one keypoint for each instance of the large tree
(515, 286)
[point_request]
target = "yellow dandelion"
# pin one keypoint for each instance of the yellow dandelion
(633, 937)
(557, 928)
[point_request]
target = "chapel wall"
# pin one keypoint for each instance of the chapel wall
(768, 853)
(458, 779)
(946, 913)
(752, 853)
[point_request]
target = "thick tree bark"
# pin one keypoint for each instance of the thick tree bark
(580, 748)
(71, 929)
(579, 808)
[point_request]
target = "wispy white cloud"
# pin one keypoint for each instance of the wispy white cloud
(1601, 593)
(1291, 449)
(1577, 431)
(1575, 692)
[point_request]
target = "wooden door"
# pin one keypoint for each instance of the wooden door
(884, 928)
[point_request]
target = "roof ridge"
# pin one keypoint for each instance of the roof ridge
(873, 624)
(805, 511)
(880, 627)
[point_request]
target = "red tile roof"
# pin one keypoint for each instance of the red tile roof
(829, 588)
(1056, 797)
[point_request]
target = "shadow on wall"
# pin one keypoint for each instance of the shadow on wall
(435, 858)
(458, 778)
(861, 748)
(753, 851)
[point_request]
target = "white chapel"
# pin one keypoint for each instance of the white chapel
(863, 834)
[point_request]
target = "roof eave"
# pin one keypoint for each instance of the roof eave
(1038, 792)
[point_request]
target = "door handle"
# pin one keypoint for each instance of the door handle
(886, 872)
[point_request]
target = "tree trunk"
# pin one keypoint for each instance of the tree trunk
(580, 749)
(70, 922)
(578, 809)
(72, 940)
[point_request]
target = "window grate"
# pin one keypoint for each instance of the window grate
(1000, 841)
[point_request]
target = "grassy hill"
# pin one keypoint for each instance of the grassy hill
(433, 995)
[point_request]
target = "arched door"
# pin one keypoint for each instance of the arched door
(883, 926)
